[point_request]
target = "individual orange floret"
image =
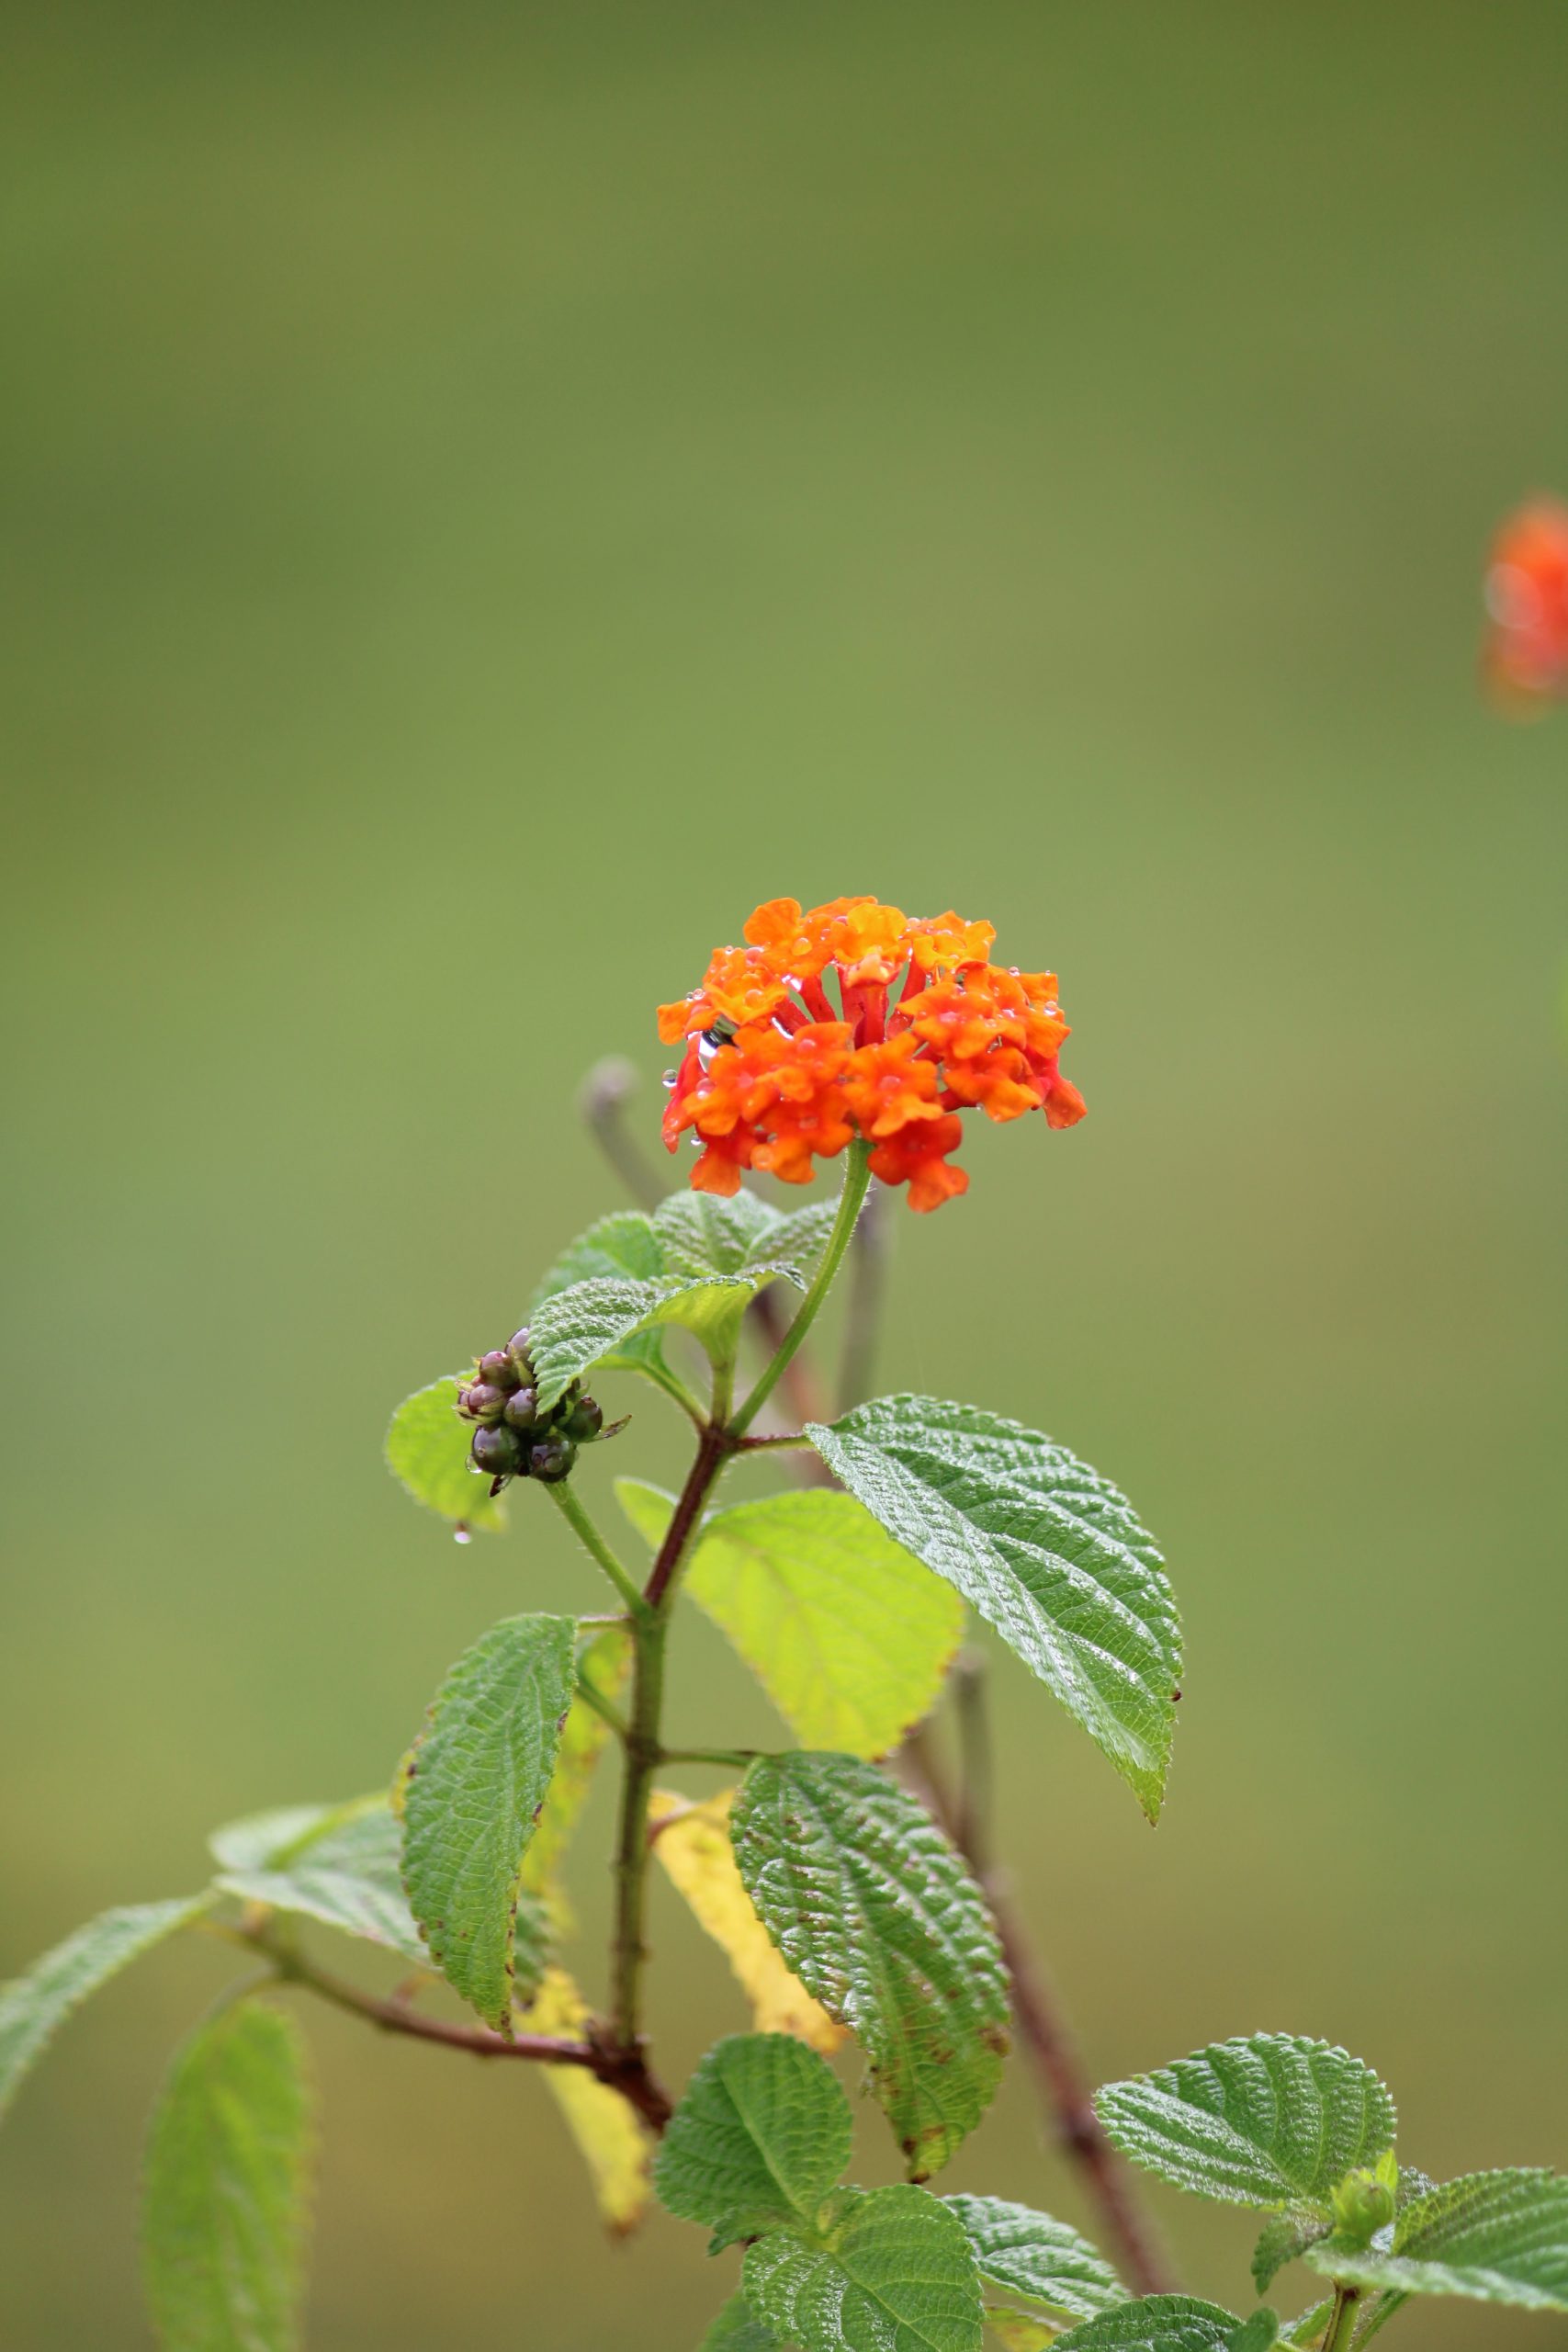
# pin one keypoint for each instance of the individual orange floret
(738, 987)
(999, 1082)
(887, 1087)
(795, 944)
(916, 1156)
(869, 942)
(946, 943)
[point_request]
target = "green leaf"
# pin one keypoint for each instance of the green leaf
(760, 2138)
(1047, 1551)
(893, 2273)
(880, 1920)
(35, 2006)
(738, 2330)
(705, 1234)
(1019, 2331)
(1498, 2237)
(226, 2211)
(587, 1325)
(1273, 2119)
(351, 1878)
(427, 1453)
(1258, 2333)
(265, 1840)
(1154, 2323)
(1032, 2254)
(477, 1780)
(1284, 2239)
(605, 1662)
(619, 1244)
(849, 1635)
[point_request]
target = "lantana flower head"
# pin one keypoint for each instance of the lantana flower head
(1525, 659)
(855, 1019)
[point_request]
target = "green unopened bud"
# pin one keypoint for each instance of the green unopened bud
(483, 1403)
(496, 1368)
(517, 1349)
(585, 1421)
(522, 1408)
(498, 1451)
(1364, 2201)
(551, 1459)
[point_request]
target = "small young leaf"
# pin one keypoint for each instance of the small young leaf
(877, 1915)
(736, 2330)
(1154, 2323)
(702, 1234)
(616, 2145)
(478, 1778)
(226, 2209)
(1284, 2239)
(1258, 2333)
(1498, 2237)
(1273, 2119)
(35, 2006)
(605, 1662)
(427, 1453)
(692, 1843)
(1032, 2254)
(574, 1329)
(1047, 1550)
(848, 1633)
(1018, 2331)
(760, 2138)
(891, 2273)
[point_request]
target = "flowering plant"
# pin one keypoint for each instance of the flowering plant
(845, 1877)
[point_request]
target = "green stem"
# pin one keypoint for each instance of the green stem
(643, 1752)
(1342, 2319)
(738, 1756)
(564, 1496)
(601, 1706)
(857, 1177)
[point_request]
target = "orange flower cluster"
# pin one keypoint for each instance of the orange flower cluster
(1525, 659)
(778, 1075)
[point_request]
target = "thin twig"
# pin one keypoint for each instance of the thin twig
(1044, 2036)
(862, 1312)
(602, 1099)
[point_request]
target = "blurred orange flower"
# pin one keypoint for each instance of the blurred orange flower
(1525, 655)
(776, 1075)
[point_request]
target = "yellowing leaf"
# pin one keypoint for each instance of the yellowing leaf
(615, 2145)
(694, 1846)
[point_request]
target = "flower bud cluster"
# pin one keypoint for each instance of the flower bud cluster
(514, 1439)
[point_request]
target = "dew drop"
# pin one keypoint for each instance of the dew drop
(462, 1533)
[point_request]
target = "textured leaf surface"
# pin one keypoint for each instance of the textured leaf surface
(894, 2273)
(1155, 2323)
(1034, 2255)
(427, 1453)
(606, 1663)
(737, 2329)
(226, 2209)
(1284, 2239)
(478, 1778)
(575, 1329)
(1258, 2333)
(33, 2009)
(265, 1840)
(880, 1920)
(614, 2144)
(619, 1246)
(705, 1234)
(846, 1632)
(694, 1849)
(1273, 2119)
(1047, 1551)
(1498, 2237)
(760, 2138)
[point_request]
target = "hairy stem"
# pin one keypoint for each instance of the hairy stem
(1045, 2035)
(857, 1177)
(1341, 2319)
(639, 2086)
(564, 1496)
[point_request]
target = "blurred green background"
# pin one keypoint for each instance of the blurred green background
(492, 492)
